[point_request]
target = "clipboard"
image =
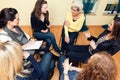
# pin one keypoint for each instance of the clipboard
(34, 46)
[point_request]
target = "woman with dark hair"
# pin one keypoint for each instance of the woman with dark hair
(100, 66)
(9, 20)
(108, 41)
(40, 24)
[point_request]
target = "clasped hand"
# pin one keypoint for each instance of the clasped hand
(66, 66)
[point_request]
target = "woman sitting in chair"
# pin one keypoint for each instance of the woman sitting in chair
(40, 24)
(72, 25)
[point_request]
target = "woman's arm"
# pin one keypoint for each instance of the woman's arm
(66, 66)
(35, 64)
(90, 37)
(76, 69)
(44, 31)
(29, 43)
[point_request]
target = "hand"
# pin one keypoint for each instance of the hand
(87, 34)
(26, 55)
(67, 39)
(67, 23)
(92, 44)
(33, 39)
(49, 26)
(66, 66)
(44, 31)
(27, 44)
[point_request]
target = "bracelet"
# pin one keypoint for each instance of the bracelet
(65, 74)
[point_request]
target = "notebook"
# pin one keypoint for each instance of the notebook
(34, 46)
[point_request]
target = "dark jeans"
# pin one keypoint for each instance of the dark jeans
(41, 68)
(46, 64)
(78, 53)
(72, 74)
(49, 38)
(72, 36)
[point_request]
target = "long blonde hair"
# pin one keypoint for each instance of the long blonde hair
(100, 66)
(11, 60)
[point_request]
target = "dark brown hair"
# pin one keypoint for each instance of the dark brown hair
(7, 14)
(37, 9)
(100, 67)
(116, 29)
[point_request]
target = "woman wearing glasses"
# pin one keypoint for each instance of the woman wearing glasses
(72, 25)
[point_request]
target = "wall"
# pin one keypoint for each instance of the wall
(24, 8)
(57, 9)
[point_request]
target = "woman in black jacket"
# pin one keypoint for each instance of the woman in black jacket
(108, 41)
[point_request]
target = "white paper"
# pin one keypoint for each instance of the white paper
(35, 45)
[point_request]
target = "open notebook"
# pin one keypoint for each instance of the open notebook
(34, 46)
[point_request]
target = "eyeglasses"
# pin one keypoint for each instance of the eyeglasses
(74, 9)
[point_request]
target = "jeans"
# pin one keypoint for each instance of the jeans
(72, 36)
(72, 74)
(46, 64)
(49, 38)
(42, 70)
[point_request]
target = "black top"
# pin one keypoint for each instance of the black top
(37, 24)
(111, 46)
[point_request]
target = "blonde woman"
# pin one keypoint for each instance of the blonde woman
(11, 63)
(100, 66)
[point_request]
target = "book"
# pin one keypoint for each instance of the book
(34, 46)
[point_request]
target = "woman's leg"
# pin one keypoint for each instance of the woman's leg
(48, 43)
(47, 37)
(60, 61)
(78, 53)
(73, 36)
(43, 36)
(63, 44)
(53, 42)
(45, 64)
(51, 70)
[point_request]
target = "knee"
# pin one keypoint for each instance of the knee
(48, 55)
(48, 41)
(52, 35)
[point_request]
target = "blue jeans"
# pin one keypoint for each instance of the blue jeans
(72, 74)
(46, 64)
(42, 70)
(72, 36)
(49, 38)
